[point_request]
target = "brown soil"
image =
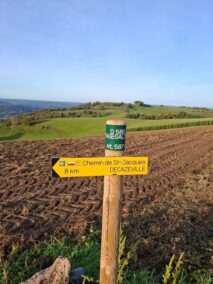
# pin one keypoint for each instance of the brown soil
(170, 210)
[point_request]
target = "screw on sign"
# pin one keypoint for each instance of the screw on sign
(113, 166)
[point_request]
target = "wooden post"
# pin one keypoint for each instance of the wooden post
(115, 143)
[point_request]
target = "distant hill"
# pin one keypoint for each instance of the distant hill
(90, 118)
(11, 107)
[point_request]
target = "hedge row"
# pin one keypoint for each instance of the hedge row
(174, 125)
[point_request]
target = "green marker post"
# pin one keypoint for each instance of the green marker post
(115, 137)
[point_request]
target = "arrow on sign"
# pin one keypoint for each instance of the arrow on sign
(54, 161)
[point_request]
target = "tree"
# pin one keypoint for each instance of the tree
(139, 103)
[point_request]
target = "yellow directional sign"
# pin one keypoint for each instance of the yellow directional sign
(99, 166)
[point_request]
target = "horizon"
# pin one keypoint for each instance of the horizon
(146, 103)
(159, 53)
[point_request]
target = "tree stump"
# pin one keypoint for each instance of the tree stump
(57, 273)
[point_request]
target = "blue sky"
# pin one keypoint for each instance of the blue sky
(160, 52)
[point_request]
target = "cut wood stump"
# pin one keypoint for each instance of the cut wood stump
(57, 273)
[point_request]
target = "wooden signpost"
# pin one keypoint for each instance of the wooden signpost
(113, 166)
(115, 145)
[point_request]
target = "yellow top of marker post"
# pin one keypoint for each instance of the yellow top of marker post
(115, 135)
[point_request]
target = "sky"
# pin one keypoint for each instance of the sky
(159, 52)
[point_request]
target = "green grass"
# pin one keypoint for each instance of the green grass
(21, 265)
(79, 127)
(161, 110)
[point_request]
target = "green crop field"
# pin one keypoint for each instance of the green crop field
(79, 127)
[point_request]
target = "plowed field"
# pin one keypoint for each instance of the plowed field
(33, 205)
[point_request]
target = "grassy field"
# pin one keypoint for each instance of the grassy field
(160, 110)
(90, 119)
(78, 127)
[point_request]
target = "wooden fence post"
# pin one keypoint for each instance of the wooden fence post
(115, 144)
